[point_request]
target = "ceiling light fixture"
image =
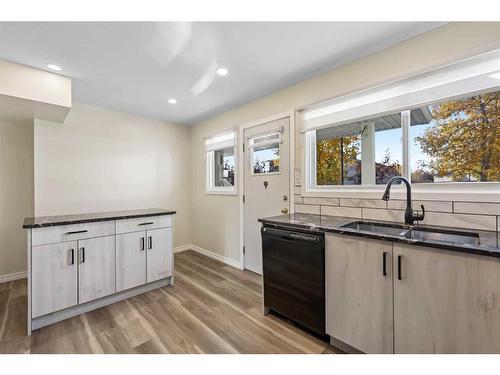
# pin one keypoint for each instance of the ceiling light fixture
(222, 71)
(54, 67)
(172, 101)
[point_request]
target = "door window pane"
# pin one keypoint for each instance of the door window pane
(224, 167)
(266, 158)
(460, 142)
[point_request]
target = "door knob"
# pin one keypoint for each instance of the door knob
(284, 211)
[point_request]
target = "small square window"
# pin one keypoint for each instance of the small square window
(265, 154)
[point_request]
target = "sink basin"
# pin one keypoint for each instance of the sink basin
(379, 228)
(468, 238)
(422, 234)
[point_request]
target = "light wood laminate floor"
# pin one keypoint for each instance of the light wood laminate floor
(213, 308)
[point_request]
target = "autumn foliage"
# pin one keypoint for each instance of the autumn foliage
(462, 143)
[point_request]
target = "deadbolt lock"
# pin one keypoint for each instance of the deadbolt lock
(285, 198)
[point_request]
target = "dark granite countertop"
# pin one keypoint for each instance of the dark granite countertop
(488, 241)
(52, 221)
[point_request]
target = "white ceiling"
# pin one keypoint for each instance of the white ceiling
(136, 66)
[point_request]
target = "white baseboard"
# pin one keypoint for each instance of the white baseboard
(178, 249)
(13, 276)
(210, 254)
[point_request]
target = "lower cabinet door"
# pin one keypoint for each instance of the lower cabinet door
(359, 309)
(96, 269)
(54, 277)
(130, 260)
(445, 302)
(159, 254)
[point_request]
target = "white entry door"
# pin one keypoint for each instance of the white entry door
(267, 183)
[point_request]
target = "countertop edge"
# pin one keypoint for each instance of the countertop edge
(97, 219)
(435, 245)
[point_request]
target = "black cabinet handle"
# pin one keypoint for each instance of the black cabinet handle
(82, 250)
(142, 243)
(78, 231)
(150, 240)
(399, 267)
(384, 264)
(148, 223)
(72, 256)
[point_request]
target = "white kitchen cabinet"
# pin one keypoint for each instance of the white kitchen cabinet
(159, 254)
(96, 268)
(359, 310)
(54, 277)
(130, 260)
(78, 263)
(446, 302)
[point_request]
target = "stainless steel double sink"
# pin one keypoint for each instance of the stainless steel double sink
(421, 234)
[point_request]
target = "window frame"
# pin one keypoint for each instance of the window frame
(209, 159)
(279, 141)
(473, 191)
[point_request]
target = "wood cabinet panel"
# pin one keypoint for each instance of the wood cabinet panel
(96, 269)
(130, 260)
(159, 254)
(359, 305)
(72, 232)
(54, 277)
(446, 302)
(143, 223)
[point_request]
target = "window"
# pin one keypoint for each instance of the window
(441, 128)
(265, 153)
(459, 142)
(224, 167)
(221, 163)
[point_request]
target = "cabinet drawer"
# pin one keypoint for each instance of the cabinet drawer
(143, 223)
(72, 232)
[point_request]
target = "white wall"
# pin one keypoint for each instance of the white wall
(216, 222)
(16, 193)
(104, 160)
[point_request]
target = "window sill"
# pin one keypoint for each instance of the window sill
(489, 192)
(221, 192)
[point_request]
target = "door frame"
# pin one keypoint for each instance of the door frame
(241, 167)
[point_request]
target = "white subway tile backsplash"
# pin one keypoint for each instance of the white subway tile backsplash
(477, 208)
(460, 215)
(307, 209)
(435, 206)
(464, 221)
(369, 203)
(341, 211)
(384, 215)
(322, 201)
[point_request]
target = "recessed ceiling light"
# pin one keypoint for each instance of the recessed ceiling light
(172, 101)
(54, 67)
(222, 71)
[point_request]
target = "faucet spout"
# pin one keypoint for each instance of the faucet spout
(410, 215)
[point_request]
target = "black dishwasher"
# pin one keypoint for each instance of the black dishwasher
(294, 275)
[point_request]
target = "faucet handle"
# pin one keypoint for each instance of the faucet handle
(422, 215)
